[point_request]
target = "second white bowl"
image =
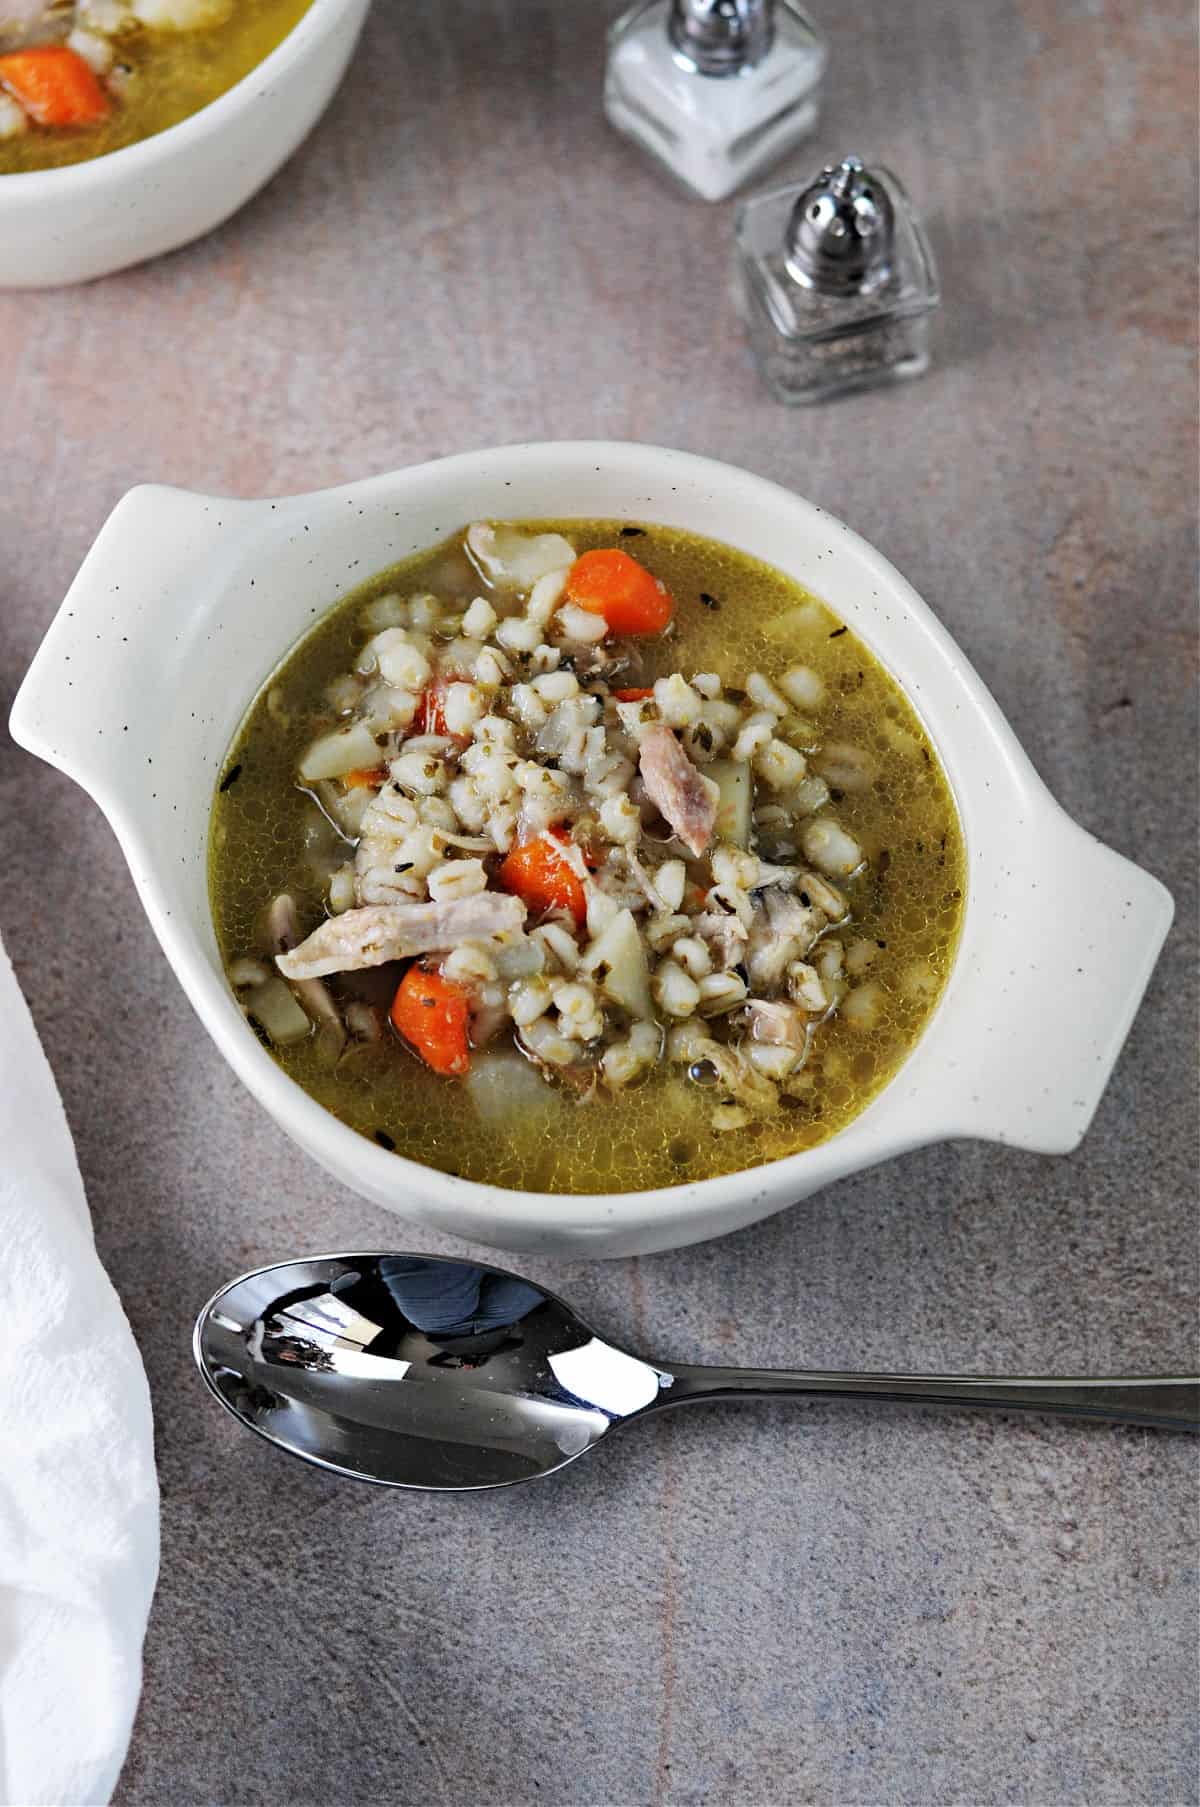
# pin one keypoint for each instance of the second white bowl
(88, 219)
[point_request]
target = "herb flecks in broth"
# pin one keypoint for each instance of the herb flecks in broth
(833, 826)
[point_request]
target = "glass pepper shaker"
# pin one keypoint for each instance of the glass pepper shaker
(836, 283)
(715, 90)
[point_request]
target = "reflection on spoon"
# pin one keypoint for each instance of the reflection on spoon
(416, 1371)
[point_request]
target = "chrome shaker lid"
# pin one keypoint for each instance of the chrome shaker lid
(839, 236)
(721, 37)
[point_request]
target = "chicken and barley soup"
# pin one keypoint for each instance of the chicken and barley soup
(79, 78)
(585, 856)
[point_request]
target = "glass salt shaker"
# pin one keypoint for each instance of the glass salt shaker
(836, 283)
(715, 90)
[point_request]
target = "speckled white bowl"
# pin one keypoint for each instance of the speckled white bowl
(69, 225)
(186, 603)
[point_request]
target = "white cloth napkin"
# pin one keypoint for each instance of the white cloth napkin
(78, 1490)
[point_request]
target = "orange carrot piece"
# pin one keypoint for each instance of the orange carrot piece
(365, 777)
(610, 583)
(544, 878)
(54, 85)
(630, 696)
(432, 1013)
(430, 717)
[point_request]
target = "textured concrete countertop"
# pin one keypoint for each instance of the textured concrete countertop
(745, 1608)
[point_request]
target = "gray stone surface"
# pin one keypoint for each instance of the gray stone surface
(740, 1608)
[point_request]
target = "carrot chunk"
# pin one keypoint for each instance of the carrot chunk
(54, 85)
(610, 583)
(365, 777)
(430, 717)
(630, 696)
(544, 878)
(432, 1014)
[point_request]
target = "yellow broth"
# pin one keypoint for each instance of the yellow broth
(172, 74)
(265, 831)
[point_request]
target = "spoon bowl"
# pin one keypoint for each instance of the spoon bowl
(415, 1372)
(428, 1372)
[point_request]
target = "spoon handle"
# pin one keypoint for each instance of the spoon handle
(1169, 1402)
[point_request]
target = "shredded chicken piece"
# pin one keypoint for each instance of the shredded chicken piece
(781, 1025)
(381, 932)
(788, 914)
(681, 794)
(724, 935)
(783, 930)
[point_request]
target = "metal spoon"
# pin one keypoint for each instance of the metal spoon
(422, 1372)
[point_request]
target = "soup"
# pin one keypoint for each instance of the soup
(79, 78)
(585, 856)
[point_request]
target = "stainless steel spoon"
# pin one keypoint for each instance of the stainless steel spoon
(420, 1372)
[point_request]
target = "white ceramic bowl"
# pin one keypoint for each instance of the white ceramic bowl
(89, 219)
(185, 604)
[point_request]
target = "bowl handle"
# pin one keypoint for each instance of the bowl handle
(1072, 932)
(114, 639)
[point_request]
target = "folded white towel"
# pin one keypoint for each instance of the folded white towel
(78, 1491)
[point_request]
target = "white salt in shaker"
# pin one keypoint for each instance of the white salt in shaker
(836, 283)
(715, 90)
